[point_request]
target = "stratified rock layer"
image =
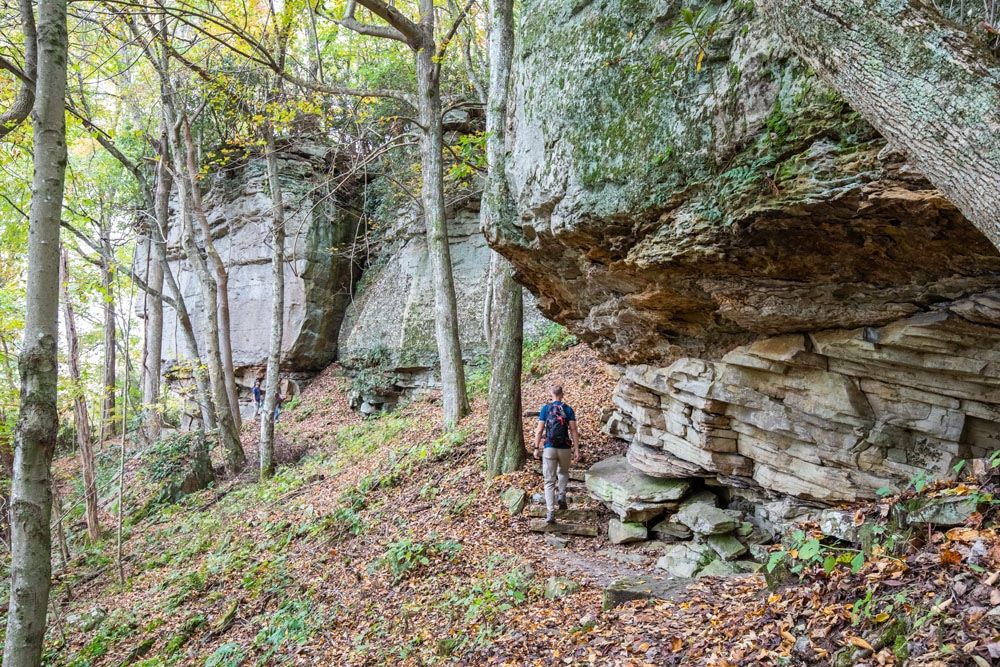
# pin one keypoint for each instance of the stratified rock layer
(799, 310)
(830, 416)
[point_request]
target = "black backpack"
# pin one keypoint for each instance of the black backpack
(557, 426)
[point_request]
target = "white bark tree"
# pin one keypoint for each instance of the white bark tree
(428, 52)
(81, 415)
(924, 85)
(38, 421)
(505, 316)
(272, 380)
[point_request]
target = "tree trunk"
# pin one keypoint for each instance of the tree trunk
(273, 379)
(505, 319)
(38, 421)
(228, 434)
(919, 80)
(160, 234)
(110, 374)
(81, 416)
(152, 422)
(456, 403)
(218, 268)
(25, 100)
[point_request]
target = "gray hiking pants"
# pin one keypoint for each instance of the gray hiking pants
(555, 465)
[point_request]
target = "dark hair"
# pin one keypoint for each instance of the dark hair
(256, 382)
(557, 391)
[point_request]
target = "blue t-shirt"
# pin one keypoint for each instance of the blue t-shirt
(544, 412)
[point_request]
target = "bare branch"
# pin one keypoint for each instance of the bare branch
(21, 107)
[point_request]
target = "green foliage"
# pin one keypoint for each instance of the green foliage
(802, 553)
(691, 34)
(477, 378)
(117, 626)
(404, 555)
(371, 371)
(293, 623)
(167, 465)
(505, 586)
(554, 338)
(229, 654)
(470, 157)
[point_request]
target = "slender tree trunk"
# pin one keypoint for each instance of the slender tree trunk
(505, 439)
(919, 80)
(153, 339)
(218, 268)
(110, 374)
(38, 421)
(228, 434)
(25, 100)
(449, 345)
(81, 416)
(273, 379)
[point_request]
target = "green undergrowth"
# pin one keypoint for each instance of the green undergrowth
(554, 338)
(195, 556)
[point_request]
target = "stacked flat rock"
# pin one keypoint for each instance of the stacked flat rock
(635, 497)
(694, 536)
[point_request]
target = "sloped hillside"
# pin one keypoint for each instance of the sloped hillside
(381, 542)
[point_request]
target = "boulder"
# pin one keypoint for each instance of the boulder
(727, 546)
(620, 532)
(706, 519)
(719, 568)
(941, 511)
(670, 530)
(514, 499)
(646, 587)
(813, 319)
(685, 559)
(839, 524)
(633, 496)
(557, 587)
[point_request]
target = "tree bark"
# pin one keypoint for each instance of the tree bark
(25, 100)
(160, 233)
(505, 319)
(273, 378)
(153, 339)
(38, 421)
(228, 434)
(110, 371)
(81, 416)
(919, 80)
(218, 268)
(449, 345)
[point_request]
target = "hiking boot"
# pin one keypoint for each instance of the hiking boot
(562, 502)
(550, 517)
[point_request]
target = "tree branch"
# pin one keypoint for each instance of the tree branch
(25, 99)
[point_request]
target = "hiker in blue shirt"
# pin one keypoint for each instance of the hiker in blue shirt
(557, 426)
(258, 398)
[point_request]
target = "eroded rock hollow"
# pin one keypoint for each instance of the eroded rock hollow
(796, 308)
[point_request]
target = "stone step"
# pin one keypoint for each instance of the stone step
(571, 498)
(646, 587)
(572, 516)
(561, 528)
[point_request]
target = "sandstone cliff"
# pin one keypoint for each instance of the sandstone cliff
(798, 309)
(319, 272)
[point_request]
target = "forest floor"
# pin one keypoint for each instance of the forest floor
(381, 541)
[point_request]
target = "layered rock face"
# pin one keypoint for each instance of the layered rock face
(392, 311)
(829, 416)
(318, 273)
(798, 310)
